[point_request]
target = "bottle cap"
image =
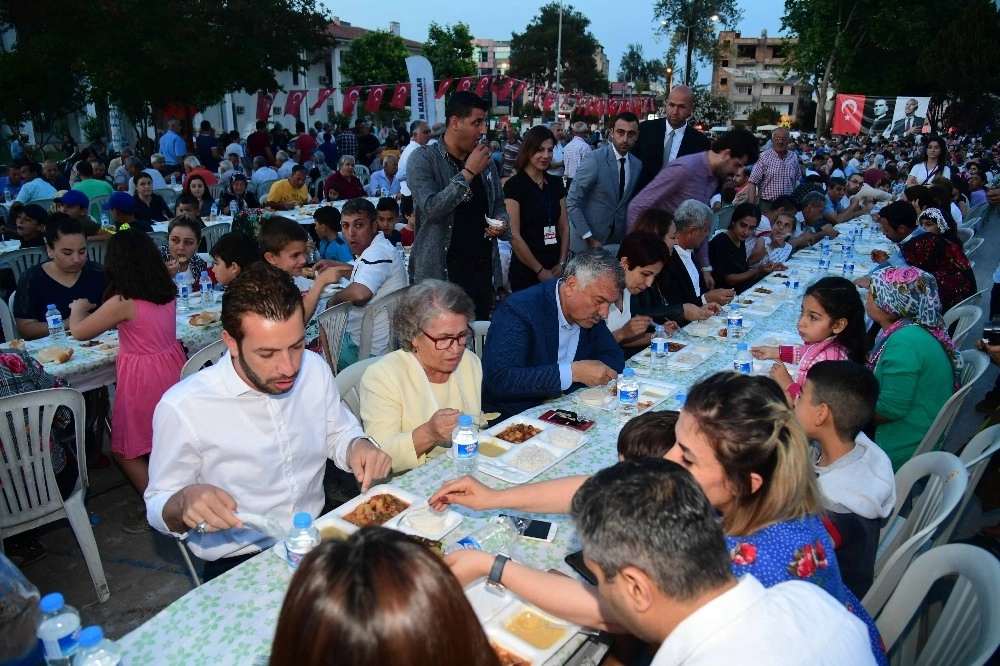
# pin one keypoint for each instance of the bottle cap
(51, 306)
(50, 603)
(302, 521)
(90, 636)
(204, 273)
(628, 372)
(465, 420)
(734, 306)
(742, 347)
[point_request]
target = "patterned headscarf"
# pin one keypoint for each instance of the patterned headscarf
(935, 215)
(911, 296)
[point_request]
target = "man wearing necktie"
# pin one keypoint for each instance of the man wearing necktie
(909, 124)
(665, 139)
(604, 183)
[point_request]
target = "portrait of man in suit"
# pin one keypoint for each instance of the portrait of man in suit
(878, 119)
(604, 183)
(665, 139)
(910, 124)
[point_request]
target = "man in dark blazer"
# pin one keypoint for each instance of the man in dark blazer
(597, 204)
(652, 143)
(552, 338)
(693, 222)
(910, 124)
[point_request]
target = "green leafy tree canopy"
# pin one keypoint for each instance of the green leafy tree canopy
(377, 56)
(449, 49)
(680, 18)
(710, 110)
(635, 68)
(764, 115)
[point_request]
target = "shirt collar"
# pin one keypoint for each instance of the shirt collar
(618, 155)
(563, 324)
(231, 380)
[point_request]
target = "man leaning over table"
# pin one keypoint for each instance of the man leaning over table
(552, 337)
(252, 433)
(288, 193)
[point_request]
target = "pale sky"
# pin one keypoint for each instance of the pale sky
(614, 24)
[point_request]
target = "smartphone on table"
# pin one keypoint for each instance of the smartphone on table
(540, 530)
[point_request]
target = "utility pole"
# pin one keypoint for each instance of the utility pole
(559, 62)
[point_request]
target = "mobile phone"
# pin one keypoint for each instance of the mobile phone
(540, 530)
(575, 561)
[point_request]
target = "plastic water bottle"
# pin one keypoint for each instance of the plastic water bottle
(173, 179)
(493, 537)
(183, 179)
(743, 362)
(792, 283)
(734, 324)
(96, 650)
(465, 445)
(57, 334)
(848, 270)
(303, 538)
(400, 251)
(214, 211)
(205, 287)
(58, 629)
(658, 352)
(826, 246)
(233, 208)
(183, 294)
(628, 394)
(105, 222)
(7, 194)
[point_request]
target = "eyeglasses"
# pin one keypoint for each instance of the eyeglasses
(445, 342)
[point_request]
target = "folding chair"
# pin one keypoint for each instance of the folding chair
(373, 314)
(976, 363)
(966, 316)
(332, 324)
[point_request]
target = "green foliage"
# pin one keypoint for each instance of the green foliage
(449, 49)
(635, 68)
(94, 129)
(763, 115)
(533, 52)
(710, 110)
(674, 17)
(376, 57)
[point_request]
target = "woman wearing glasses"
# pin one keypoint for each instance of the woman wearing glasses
(411, 398)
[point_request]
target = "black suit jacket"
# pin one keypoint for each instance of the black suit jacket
(679, 288)
(649, 148)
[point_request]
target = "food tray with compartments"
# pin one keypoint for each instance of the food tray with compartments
(522, 461)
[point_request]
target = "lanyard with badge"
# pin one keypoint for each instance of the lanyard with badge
(548, 230)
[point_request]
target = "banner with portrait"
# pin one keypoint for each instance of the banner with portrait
(881, 116)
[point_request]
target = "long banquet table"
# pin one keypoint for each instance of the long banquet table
(231, 619)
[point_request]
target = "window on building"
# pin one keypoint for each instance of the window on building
(744, 90)
(778, 51)
(723, 81)
(484, 55)
(725, 63)
(746, 51)
(726, 43)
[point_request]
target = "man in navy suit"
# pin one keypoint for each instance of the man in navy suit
(602, 187)
(666, 139)
(551, 338)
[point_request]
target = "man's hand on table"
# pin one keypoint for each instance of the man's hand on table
(368, 462)
(633, 328)
(720, 296)
(709, 279)
(469, 565)
(879, 256)
(464, 491)
(197, 503)
(592, 373)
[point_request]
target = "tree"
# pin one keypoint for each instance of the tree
(533, 52)
(710, 110)
(689, 23)
(634, 68)
(763, 115)
(377, 56)
(449, 50)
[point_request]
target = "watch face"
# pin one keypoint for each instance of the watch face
(495, 588)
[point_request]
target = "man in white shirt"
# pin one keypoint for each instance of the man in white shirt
(252, 433)
(285, 164)
(262, 173)
(575, 149)
(557, 164)
(379, 270)
(420, 134)
(134, 166)
(656, 547)
(33, 186)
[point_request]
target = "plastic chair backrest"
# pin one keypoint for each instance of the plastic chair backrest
(21, 260)
(975, 212)
(363, 174)
(971, 300)
(965, 235)
(210, 354)
(96, 251)
(967, 631)
(972, 247)
(966, 316)
(263, 188)
(169, 195)
(976, 363)
(976, 456)
(97, 205)
(46, 204)
(479, 331)
(213, 232)
(333, 323)
(379, 312)
(10, 306)
(7, 321)
(217, 191)
(347, 385)
(945, 483)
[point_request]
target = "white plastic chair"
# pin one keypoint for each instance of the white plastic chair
(210, 354)
(373, 314)
(213, 232)
(968, 629)
(332, 324)
(945, 483)
(263, 188)
(29, 495)
(972, 247)
(347, 385)
(7, 321)
(976, 456)
(479, 330)
(97, 205)
(217, 191)
(974, 214)
(976, 363)
(363, 174)
(971, 300)
(965, 235)
(966, 316)
(168, 194)
(96, 251)
(21, 260)
(159, 237)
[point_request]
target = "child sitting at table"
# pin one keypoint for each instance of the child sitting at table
(30, 225)
(409, 213)
(332, 194)
(855, 477)
(283, 242)
(233, 253)
(332, 246)
(832, 326)
(139, 300)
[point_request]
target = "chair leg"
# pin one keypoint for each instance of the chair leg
(195, 580)
(78, 520)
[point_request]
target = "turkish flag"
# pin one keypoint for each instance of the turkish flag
(400, 95)
(506, 89)
(848, 111)
(264, 100)
(375, 95)
(550, 99)
(464, 83)
(519, 90)
(294, 101)
(443, 88)
(483, 85)
(351, 95)
(497, 85)
(324, 94)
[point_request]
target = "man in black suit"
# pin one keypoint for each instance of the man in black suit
(655, 137)
(685, 282)
(907, 126)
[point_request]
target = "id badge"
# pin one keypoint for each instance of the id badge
(550, 235)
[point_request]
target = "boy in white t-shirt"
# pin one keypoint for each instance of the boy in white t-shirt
(856, 482)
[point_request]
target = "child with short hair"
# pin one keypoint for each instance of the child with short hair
(409, 213)
(233, 253)
(332, 246)
(856, 482)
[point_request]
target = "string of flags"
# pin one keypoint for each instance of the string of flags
(504, 87)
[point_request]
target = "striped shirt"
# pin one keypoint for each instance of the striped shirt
(573, 154)
(774, 175)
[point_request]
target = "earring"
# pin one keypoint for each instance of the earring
(415, 350)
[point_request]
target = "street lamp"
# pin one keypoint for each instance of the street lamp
(687, 70)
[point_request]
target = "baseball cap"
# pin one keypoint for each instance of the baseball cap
(36, 212)
(74, 198)
(122, 201)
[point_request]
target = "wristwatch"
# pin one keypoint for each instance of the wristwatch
(493, 580)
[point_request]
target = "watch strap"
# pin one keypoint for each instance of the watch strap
(496, 573)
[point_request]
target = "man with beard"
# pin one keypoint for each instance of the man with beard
(252, 433)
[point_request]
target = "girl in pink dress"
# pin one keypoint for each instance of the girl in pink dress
(139, 300)
(832, 327)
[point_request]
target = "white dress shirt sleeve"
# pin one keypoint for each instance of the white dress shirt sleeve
(342, 427)
(177, 462)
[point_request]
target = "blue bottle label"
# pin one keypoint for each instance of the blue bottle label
(467, 450)
(629, 395)
(469, 543)
(742, 368)
(659, 347)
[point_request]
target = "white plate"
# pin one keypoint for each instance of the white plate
(503, 425)
(505, 467)
(449, 521)
(710, 328)
(652, 394)
(348, 507)
(776, 339)
(690, 359)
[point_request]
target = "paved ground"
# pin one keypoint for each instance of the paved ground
(145, 572)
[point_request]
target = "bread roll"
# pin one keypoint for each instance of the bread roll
(55, 355)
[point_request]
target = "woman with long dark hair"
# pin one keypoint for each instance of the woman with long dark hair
(935, 163)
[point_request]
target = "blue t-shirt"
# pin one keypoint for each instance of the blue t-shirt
(335, 250)
(36, 291)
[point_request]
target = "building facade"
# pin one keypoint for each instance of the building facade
(492, 56)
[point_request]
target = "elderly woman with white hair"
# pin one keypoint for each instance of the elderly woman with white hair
(411, 398)
(344, 180)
